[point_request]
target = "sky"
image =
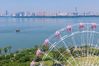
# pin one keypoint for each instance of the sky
(49, 5)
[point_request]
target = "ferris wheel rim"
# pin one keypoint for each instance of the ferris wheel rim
(62, 29)
(67, 36)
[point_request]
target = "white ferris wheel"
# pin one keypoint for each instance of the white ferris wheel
(74, 45)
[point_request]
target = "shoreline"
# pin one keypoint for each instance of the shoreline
(47, 16)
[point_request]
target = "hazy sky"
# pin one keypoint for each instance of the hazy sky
(49, 5)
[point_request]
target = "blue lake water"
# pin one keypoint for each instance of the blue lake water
(33, 30)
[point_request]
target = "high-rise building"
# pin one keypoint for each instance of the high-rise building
(6, 13)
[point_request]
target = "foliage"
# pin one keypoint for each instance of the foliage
(25, 56)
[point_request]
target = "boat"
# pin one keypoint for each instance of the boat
(17, 30)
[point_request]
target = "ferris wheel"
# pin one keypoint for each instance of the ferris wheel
(74, 45)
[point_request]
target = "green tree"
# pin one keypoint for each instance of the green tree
(5, 50)
(0, 50)
(9, 48)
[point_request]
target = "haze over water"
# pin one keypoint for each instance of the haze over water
(33, 31)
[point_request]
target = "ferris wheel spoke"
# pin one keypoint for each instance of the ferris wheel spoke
(69, 51)
(91, 39)
(74, 43)
(50, 49)
(54, 59)
(63, 55)
(82, 44)
(95, 51)
(87, 44)
(92, 43)
(81, 41)
(53, 47)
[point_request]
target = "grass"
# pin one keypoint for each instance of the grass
(16, 64)
(86, 61)
(77, 61)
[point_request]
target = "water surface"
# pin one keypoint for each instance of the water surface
(33, 30)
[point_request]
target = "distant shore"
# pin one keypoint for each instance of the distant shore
(48, 16)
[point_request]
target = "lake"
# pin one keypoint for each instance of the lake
(33, 31)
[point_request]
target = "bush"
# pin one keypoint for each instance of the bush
(7, 57)
(24, 59)
(18, 56)
(2, 57)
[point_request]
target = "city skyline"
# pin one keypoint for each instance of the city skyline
(49, 5)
